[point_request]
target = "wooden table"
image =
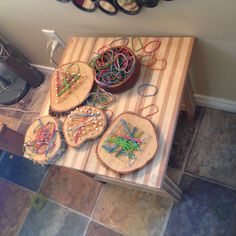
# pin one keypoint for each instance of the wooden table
(173, 86)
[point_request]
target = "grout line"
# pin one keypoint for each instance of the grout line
(3, 153)
(210, 181)
(98, 222)
(59, 204)
(43, 179)
(68, 208)
(94, 208)
(109, 227)
(20, 186)
(96, 203)
(90, 218)
(23, 222)
(26, 189)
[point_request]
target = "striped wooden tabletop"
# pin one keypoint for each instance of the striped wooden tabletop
(170, 82)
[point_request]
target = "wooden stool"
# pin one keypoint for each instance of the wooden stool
(10, 140)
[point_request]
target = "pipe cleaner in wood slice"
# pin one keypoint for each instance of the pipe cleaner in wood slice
(70, 86)
(44, 142)
(82, 124)
(128, 144)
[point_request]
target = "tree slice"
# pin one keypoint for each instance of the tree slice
(74, 96)
(123, 164)
(56, 151)
(84, 123)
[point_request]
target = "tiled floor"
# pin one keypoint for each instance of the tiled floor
(206, 209)
(21, 171)
(203, 156)
(33, 101)
(54, 220)
(132, 212)
(214, 152)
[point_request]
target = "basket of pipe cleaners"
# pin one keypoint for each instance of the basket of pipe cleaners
(44, 141)
(117, 68)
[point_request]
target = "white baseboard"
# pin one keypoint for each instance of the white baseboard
(216, 103)
(46, 70)
(201, 100)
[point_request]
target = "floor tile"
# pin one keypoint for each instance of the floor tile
(32, 101)
(32, 96)
(31, 117)
(21, 171)
(214, 161)
(219, 126)
(206, 209)
(183, 137)
(24, 103)
(11, 113)
(23, 128)
(54, 220)
(40, 96)
(9, 121)
(132, 212)
(96, 229)
(14, 205)
(71, 188)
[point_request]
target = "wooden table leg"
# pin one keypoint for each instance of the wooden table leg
(10, 140)
(172, 189)
(189, 101)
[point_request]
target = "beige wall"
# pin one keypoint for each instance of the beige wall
(213, 66)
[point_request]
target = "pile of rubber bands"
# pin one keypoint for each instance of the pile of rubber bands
(125, 141)
(113, 65)
(100, 98)
(44, 140)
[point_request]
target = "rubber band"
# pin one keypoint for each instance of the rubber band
(158, 44)
(113, 43)
(142, 87)
(151, 114)
(102, 99)
(149, 64)
(140, 42)
(164, 64)
(68, 70)
(111, 115)
(103, 49)
(66, 79)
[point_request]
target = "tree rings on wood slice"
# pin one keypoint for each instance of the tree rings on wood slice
(86, 122)
(44, 142)
(128, 144)
(70, 86)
